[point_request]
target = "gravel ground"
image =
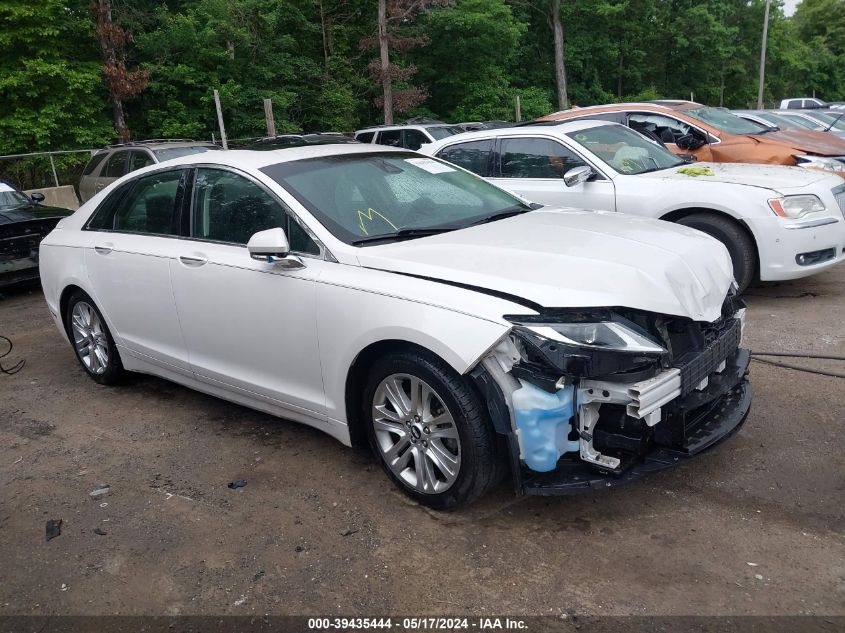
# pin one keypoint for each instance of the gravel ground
(754, 527)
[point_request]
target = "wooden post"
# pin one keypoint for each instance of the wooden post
(518, 109)
(220, 119)
(268, 116)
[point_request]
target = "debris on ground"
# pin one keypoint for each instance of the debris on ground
(298, 548)
(100, 491)
(100, 531)
(349, 532)
(240, 483)
(64, 587)
(758, 576)
(54, 528)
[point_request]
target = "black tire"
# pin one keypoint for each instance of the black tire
(736, 240)
(480, 458)
(113, 370)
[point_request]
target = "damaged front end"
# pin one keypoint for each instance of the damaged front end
(598, 397)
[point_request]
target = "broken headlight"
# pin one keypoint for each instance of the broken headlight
(608, 335)
(588, 345)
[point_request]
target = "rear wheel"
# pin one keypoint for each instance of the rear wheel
(91, 340)
(736, 240)
(429, 430)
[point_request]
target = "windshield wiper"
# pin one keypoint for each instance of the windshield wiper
(504, 213)
(403, 234)
(835, 121)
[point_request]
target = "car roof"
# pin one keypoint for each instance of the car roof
(555, 130)
(405, 126)
(256, 159)
(154, 144)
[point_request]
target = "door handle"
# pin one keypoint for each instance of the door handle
(105, 249)
(194, 261)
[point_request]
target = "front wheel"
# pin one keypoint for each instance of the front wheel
(736, 240)
(91, 339)
(429, 430)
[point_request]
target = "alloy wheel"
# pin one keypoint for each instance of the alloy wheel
(89, 338)
(416, 433)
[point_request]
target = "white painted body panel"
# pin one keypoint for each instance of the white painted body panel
(739, 190)
(283, 341)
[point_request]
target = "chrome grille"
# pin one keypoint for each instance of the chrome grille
(839, 194)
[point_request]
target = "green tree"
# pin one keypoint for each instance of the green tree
(51, 88)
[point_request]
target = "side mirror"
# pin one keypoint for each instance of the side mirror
(269, 244)
(37, 197)
(272, 246)
(689, 142)
(577, 175)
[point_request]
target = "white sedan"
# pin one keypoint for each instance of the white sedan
(383, 296)
(777, 222)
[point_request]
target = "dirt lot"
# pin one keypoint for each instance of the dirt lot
(755, 527)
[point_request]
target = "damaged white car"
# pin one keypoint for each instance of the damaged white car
(382, 296)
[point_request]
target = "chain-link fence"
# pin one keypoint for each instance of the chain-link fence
(44, 169)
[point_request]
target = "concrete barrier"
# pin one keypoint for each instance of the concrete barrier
(64, 196)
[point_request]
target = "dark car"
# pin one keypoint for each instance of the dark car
(24, 222)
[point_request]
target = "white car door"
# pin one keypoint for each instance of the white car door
(131, 239)
(250, 326)
(533, 167)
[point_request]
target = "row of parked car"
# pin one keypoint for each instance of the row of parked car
(448, 305)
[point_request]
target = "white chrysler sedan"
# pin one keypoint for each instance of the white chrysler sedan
(386, 297)
(777, 222)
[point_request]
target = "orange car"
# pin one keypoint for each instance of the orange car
(714, 134)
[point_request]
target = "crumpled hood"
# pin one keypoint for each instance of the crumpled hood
(561, 258)
(777, 178)
(827, 145)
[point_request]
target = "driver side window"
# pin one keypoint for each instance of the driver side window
(536, 158)
(663, 128)
(230, 208)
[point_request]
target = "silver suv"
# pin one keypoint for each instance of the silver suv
(109, 164)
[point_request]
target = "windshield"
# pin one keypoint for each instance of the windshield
(799, 120)
(11, 199)
(628, 152)
(785, 123)
(179, 152)
(838, 120)
(443, 131)
(359, 196)
(723, 120)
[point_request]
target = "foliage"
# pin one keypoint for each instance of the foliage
(466, 60)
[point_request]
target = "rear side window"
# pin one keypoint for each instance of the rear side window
(473, 156)
(414, 139)
(95, 161)
(230, 208)
(365, 137)
(116, 165)
(148, 205)
(536, 158)
(138, 159)
(391, 137)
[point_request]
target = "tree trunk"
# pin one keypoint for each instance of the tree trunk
(619, 81)
(386, 82)
(323, 28)
(105, 26)
(560, 65)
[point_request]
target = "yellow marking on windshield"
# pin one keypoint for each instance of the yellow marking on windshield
(368, 214)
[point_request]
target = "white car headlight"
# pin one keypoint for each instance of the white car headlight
(608, 335)
(819, 162)
(796, 206)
